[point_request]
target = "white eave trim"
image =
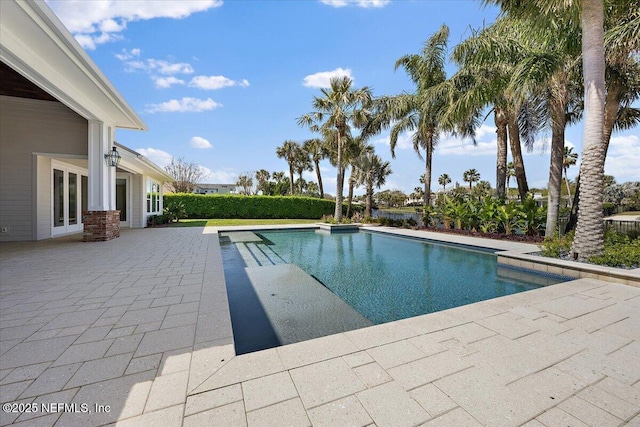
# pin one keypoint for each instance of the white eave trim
(35, 43)
(140, 164)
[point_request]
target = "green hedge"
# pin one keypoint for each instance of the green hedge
(253, 207)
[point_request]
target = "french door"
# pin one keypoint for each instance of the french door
(68, 199)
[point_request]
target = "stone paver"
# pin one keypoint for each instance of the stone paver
(141, 325)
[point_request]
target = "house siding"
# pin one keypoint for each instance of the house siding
(30, 126)
(43, 198)
(136, 201)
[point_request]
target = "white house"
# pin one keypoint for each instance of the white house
(215, 189)
(58, 115)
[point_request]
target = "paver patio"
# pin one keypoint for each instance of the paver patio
(141, 324)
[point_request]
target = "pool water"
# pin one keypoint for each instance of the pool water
(387, 278)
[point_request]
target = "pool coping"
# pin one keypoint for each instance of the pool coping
(515, 254)
(509, 253)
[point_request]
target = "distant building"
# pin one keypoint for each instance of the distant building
(215, 189)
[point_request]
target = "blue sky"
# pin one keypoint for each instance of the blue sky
(222, 83)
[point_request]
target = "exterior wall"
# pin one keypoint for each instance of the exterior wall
(43, 198)
(137, 213)
(29, 126)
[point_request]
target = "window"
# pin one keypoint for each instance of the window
(153, 197)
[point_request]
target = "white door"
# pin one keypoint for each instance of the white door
(67, 198)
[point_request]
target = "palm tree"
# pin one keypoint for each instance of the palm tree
(318, 151)
(301, 163)
(262, 176)
(419, 112)
(570, 159)
(372, 172)
(471, 176)
(443, 180)
(589, 237)
(340, 107)
(486, 62)
(354, 148)
(288, 152)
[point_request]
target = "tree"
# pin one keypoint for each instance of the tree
(288, 152)
(355, 148)
(589, 237)
(570, 159)
(443, 180)
(339, 108)
(262, 177)
(186, 175)
(471, 176)
(486, 61)
(245, 183)
(371, 172)
(301, 163)
(317, 151)
(419, 112)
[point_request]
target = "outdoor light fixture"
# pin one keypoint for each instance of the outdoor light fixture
(112, 158)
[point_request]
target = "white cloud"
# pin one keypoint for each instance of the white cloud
(90, 21)
(215, 82)
(125, 55)
(222, 177)
(458, 147)
(623, 158)
(166, 82)
(405, 141)
(199, 142)
(321, 79)
(192, 105)
(159, 157)
(89, 42)
(359, 3)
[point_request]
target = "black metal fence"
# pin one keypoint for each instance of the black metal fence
(619, 226)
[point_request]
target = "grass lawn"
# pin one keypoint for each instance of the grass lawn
(630, 213)
(410, 209)
(227, 222)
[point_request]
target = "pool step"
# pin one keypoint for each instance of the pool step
(258, 255)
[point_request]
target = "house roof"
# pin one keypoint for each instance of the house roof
(34, 43)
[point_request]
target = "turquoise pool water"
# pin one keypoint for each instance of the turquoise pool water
(388, 278)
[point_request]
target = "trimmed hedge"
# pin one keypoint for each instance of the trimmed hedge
(206, 206)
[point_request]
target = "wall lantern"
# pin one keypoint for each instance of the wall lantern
(112, 158)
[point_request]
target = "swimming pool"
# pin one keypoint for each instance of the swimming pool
(382, 277)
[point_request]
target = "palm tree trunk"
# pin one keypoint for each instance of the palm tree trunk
(518, 161)
(501, 160)
(427, 170)
(350, 196)
(290, 178)
(317, 163)
(555, 169)
(589, 239)
(611, 108)
(566, 180)
(368, 200)
(300, 183)
(339, 181)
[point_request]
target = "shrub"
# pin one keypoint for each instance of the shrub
(622, 252)
(155, 220)
(357, 217)
(555, 247)
(252, 207)
(175, 211)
